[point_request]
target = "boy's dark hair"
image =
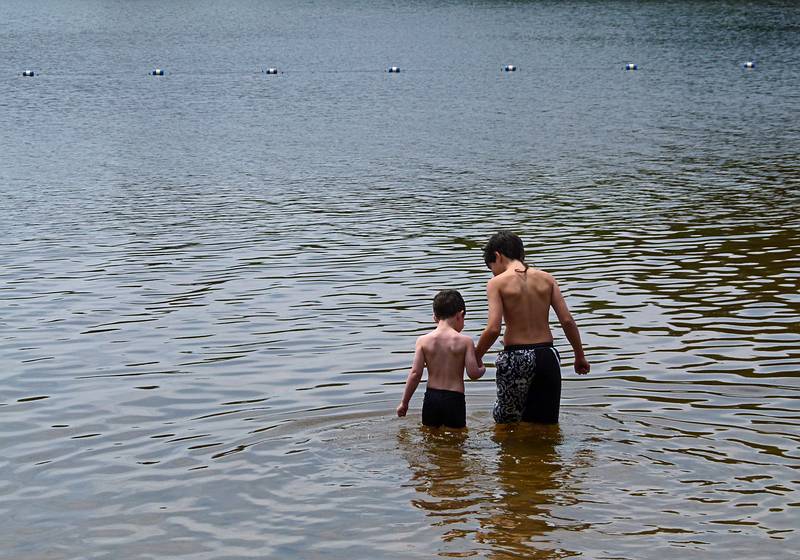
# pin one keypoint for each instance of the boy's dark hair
(447, 303)
(506, 243)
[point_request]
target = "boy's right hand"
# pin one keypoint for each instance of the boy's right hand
(402, 409)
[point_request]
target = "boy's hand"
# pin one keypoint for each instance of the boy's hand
(402, 409)
(581, 365)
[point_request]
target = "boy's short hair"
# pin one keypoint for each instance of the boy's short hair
(447, 303)
(506, 243)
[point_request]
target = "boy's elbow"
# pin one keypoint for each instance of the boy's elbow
(569, 323)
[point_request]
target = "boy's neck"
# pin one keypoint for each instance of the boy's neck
(449, 323)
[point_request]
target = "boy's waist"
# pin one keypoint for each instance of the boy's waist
(434, 390)
(534, 346)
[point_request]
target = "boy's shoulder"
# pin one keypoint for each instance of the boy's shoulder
(433, 336)
(425, 337)
(510, 275)
(467, 339)
(429, 337)
(543, 274)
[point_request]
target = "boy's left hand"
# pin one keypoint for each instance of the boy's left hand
(581, 365)
(402, 409)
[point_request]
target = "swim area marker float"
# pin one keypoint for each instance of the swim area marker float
(396, 69)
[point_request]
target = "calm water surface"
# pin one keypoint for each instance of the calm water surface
(212, 281)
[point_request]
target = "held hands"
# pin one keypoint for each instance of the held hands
(402, 408)
(581, 365)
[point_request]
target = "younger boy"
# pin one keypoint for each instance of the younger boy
(445, 352)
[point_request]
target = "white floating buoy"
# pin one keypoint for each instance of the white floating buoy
(394, 70)
(509, 68)
(631, 66)
(157, 72)
(271, 71)
(749, 64)
(28, 74)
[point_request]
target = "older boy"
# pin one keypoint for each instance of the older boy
(445, 352)
(528, 370)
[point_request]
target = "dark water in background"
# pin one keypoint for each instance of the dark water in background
(211, 282)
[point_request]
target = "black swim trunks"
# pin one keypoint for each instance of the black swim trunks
(443, 407)
(528, 384)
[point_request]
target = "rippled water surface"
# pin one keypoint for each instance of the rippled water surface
(212, 281)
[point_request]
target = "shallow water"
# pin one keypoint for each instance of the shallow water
(212, 281)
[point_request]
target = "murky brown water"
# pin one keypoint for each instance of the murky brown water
(233, 394)
(205, 325)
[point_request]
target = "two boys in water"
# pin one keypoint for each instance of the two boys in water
(527, 369)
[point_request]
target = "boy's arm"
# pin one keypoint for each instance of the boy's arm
(493, 323)
(475, 370)
(414, 377)
(570, 329)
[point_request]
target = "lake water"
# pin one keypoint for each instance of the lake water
(212, 281)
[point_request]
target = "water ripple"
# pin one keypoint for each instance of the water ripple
(211, 287)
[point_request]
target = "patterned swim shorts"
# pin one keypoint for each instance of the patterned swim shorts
(528, 384)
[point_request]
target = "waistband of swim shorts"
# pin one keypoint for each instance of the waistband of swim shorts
(515, 347)
(444, 392)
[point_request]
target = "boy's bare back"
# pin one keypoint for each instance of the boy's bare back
(525, 298)
(446, 354)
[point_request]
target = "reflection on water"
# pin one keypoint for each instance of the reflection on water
(497, 494)
(637, 484)
(445, 476)
(532, 477)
